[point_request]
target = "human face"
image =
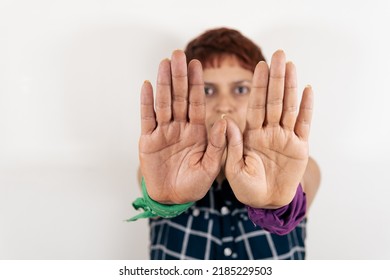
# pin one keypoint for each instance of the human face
(227, 90)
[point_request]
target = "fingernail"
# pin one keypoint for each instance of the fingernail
(177, 51)
(223, 116)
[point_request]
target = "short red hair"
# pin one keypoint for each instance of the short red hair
(215, 44)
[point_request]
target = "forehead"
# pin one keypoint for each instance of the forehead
(228, 70)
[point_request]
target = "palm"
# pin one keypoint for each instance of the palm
(177, 161)
(266, 169)
(174, 156)
(276, 151)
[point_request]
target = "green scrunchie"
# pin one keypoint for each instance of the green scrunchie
(154, 209)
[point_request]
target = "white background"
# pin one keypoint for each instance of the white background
(70, 74)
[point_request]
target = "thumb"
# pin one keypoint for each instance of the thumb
(216, 146)
(235, 147)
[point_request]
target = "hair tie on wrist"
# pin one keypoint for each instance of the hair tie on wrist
(282, 220)
(154, 209)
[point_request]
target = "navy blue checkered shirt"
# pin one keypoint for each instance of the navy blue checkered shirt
(217, 227)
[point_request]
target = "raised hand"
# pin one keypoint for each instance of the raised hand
(178, 162)
(266, 163)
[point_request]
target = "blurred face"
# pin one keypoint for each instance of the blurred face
(227, 90)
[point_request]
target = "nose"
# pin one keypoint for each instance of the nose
(224, 105)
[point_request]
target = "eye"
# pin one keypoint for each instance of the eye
(209, 90)
(240, 90)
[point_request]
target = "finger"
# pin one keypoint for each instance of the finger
(148, 117)
(179, 86)
(276, 88)
(290, 98)
(197, 107)
(216, 146)
(302, 125)
(163, 95)
(235, 147)
(258, 96)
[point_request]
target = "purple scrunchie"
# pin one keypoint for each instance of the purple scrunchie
(282, 220)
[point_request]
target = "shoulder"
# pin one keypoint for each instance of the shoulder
(139, 175)
(311, 180)
(312, 173)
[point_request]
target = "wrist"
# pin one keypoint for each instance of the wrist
(281, 220)
(169, 193)
(153, 208)
(267, 203)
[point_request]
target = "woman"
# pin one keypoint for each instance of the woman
(224, 145)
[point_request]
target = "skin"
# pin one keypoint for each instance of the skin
(226, 122)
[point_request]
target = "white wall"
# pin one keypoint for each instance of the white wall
(70, 74)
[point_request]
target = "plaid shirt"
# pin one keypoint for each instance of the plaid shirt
(218, 227)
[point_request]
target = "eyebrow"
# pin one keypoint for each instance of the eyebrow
(232, 83)
(242, 81)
